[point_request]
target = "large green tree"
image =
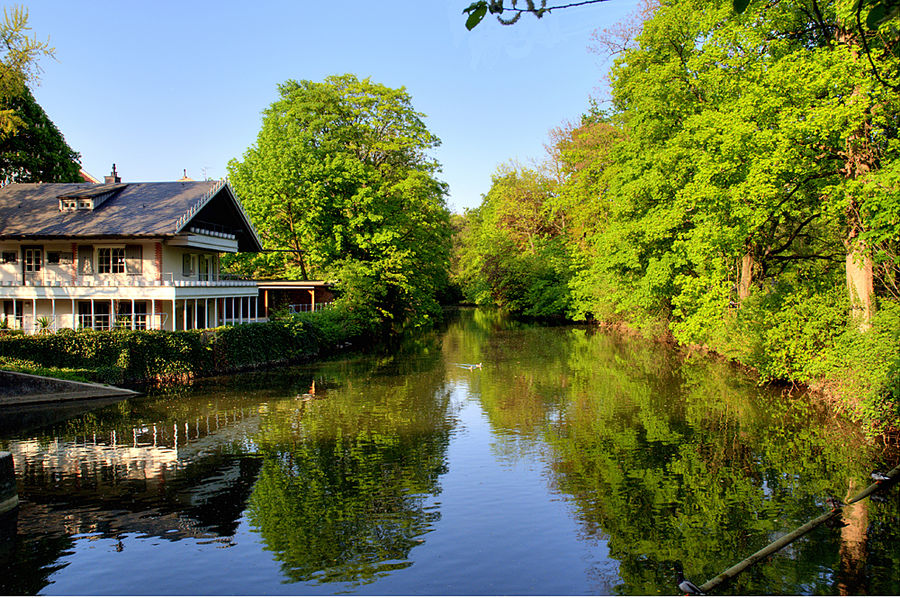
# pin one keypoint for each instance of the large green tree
(37, 151)
(341, 182)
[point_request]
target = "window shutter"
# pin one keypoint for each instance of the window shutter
(86, 259)
(133, 254)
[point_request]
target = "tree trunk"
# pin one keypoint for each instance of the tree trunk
(747, 265)
(860, 283)
(859, 160)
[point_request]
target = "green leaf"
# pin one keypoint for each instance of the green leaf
(741, 5)
(476, 11)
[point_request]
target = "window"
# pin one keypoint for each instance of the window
(111, 260)
(53, 257)
(86, 259)
(32, 257)
(133, 255)
(9, 257)
(187, 265)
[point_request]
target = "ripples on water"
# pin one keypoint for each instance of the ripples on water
(572, 462)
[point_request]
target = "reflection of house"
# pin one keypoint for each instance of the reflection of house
(167, 479)
(294, 295)
(142, 255)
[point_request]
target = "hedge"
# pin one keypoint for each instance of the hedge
(135, 356)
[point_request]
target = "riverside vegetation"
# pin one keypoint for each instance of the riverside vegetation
(158, 356)
(741, 195)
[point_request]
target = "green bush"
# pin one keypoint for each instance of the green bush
(863, 369)
(123, 355)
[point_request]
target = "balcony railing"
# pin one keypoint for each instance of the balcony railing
(168, 279)
(36, 324)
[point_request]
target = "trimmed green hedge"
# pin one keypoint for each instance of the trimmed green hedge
(122, 355)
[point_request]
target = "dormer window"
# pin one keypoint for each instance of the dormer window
(89, 198)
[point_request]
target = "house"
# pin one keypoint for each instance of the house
(140, 255)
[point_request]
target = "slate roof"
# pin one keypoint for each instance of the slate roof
(31, 210)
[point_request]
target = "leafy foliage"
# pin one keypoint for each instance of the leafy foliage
(37, 151)
(511, 252)
(19, 54)
(340, 182)
(741, 194)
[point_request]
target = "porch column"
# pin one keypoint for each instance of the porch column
(266, 302)
(152, 319)
(312, 294)
(206, 313)
(74, 323)
(196, 313)
(93, 325)
(241, 309)
(53, 312)
(185, 313)
(14, 312)
(112, 314)
(33, 312)
(174, 315)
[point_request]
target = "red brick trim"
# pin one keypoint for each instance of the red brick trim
(159, 261)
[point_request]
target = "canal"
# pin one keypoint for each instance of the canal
(572, 461)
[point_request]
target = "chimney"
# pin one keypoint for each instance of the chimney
(113, 178)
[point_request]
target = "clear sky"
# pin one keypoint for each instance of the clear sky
(160, 87)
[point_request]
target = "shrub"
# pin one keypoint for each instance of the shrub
(123, 355)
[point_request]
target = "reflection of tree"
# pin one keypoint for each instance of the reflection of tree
(28, 561)
(679, 462)
(686, 462)
(347, 477)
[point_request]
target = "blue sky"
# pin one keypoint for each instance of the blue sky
(160, 87)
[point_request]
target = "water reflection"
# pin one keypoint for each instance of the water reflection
(572, 462)
(687, 466)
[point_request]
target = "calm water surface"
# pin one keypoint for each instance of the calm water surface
(571, 462)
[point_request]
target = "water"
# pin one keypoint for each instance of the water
(572, 462)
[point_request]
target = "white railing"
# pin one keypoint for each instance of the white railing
(296, 308)
(199, 204)
(38, 324)
(168, 279)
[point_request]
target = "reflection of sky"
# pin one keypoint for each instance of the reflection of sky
(500, 531)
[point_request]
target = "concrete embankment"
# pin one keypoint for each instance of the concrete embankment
(18, 389)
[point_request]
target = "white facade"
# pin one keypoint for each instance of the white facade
(166, 283)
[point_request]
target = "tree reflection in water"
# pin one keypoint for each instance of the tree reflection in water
(686, 465)
(349, 478)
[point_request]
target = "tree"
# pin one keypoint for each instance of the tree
(19, 53)
(340, 182)
(512, 249)
(37, 151)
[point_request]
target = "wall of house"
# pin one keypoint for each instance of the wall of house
(63, 260)
(175, 265)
